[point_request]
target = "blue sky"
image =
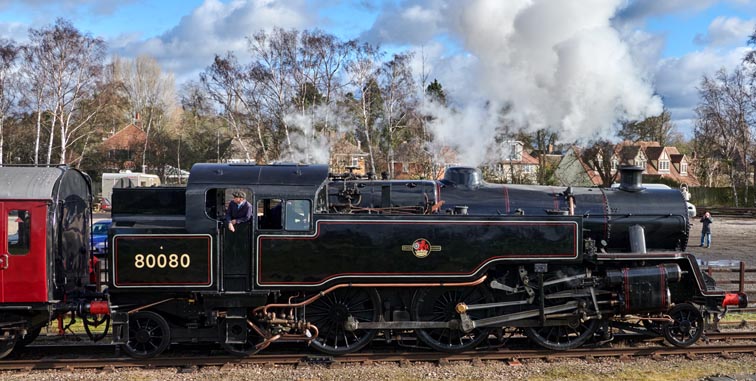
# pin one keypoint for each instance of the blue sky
(669, 44)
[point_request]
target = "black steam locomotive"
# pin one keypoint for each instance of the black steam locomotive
(337, 261)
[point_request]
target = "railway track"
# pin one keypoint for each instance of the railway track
(103, 356)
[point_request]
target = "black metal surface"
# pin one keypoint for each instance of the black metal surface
(162, 260)
(149, 201)
(380, 248)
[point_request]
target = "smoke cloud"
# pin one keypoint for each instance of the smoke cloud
(558, 65)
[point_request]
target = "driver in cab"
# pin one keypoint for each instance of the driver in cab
(239, 211)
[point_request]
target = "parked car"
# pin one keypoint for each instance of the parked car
(105, 204)
(100, 236)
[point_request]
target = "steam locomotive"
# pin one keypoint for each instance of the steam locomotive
(336, 262)
(340, 261)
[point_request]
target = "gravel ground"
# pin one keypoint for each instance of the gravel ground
(733, 239)
(675, 368)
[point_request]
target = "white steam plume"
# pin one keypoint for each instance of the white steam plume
(553, 64)
(308, 145)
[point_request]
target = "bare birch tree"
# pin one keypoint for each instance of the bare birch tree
(70, 64)
(398, 95)
(363, 73)
(230, 86)
(150, 93)
(8, 85)
(722, 129)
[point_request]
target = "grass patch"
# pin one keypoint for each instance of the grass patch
(642, 370)
(738, 316)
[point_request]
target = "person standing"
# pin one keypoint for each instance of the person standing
(239, 211)
(706, 230)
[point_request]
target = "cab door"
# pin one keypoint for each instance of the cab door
(23, 259)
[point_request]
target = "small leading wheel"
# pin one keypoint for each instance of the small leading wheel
(687, 326)
(96, 326)
(149, 335)
(438, 304)
(563, 337)
(330, 313)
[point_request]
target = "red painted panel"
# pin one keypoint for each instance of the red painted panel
(24, 275)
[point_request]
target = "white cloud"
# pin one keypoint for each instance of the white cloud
(14, 31)
(213, 28)
(638, 10)
(727, 31)
(677, 79)
(411, 22)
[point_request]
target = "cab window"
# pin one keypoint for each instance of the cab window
(19, 230)
(298, 215)
(269, 214)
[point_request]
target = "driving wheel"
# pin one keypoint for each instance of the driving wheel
(437, 304)
(330, 313)
(149, 335)
(563, 337)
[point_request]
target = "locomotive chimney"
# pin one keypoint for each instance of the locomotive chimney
(467, 177)
(631, 178)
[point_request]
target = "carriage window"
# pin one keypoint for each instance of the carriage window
(18, 232)
(269, 213)
(298, 215)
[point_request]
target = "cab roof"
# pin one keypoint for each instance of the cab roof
(248, 174)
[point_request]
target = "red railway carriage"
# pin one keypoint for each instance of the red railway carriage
(44, 248)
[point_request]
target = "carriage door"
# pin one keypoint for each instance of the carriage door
(23, 259)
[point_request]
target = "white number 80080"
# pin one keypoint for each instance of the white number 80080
(162, 261)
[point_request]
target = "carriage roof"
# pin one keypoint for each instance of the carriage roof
(41, 183)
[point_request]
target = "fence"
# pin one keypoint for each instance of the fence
(735, 279)
(704, 197)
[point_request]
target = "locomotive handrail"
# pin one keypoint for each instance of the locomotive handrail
(264, 309)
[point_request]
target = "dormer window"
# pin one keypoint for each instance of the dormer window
(684, 168)
(663, 165)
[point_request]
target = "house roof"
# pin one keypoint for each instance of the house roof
(627, 153)
(654, 153)
(593, 175)
(128, 137)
